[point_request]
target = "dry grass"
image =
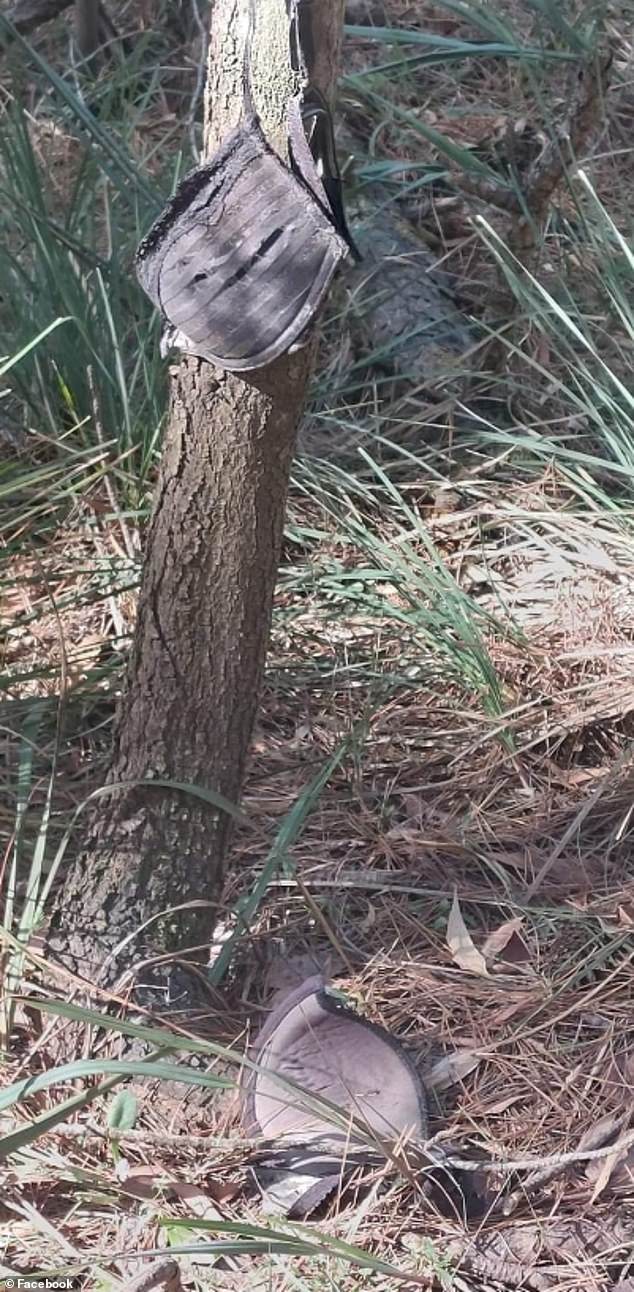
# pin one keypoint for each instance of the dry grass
(551, 1038)
(434, 802)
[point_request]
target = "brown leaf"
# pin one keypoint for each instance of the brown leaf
(621, 1175)
(616, 1167)
(197, 1200)
(143, 1181)
(506, 944)
(606, 1168)
(461, 945)
(601, 1132)
(502, 1105)
(451, 1069)
(202, 1198)
(539, 1255)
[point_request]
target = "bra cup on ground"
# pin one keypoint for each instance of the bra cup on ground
(329, 1051)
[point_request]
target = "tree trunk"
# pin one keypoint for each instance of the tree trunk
(204, 609)
(87, 33)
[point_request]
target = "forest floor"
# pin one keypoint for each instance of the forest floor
(445, 736)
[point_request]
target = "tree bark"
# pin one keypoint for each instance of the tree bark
(204, 608)
(87, 32)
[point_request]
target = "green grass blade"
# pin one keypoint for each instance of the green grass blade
(287, 835)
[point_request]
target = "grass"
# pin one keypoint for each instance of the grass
(452, 648)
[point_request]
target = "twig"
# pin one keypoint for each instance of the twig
(158, 1139)
(546, 172)
(561, 152)
(555, 1161)
(232, 1143)
(217, 1143)
(529, 205)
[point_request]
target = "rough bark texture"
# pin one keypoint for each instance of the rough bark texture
(87, 31)
(203, 618)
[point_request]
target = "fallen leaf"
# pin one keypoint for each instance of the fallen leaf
(606, 1169)
(142, 1181)
(463, 949)
(540, 1255)
(628, 1071)
(502, 1105)
(601, 1171)
(515, 952)
(580, 775)
(505, 943)
(451, 1069)
(601, 1131)
(197, 1200)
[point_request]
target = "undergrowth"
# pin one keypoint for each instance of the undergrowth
(448, 698)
